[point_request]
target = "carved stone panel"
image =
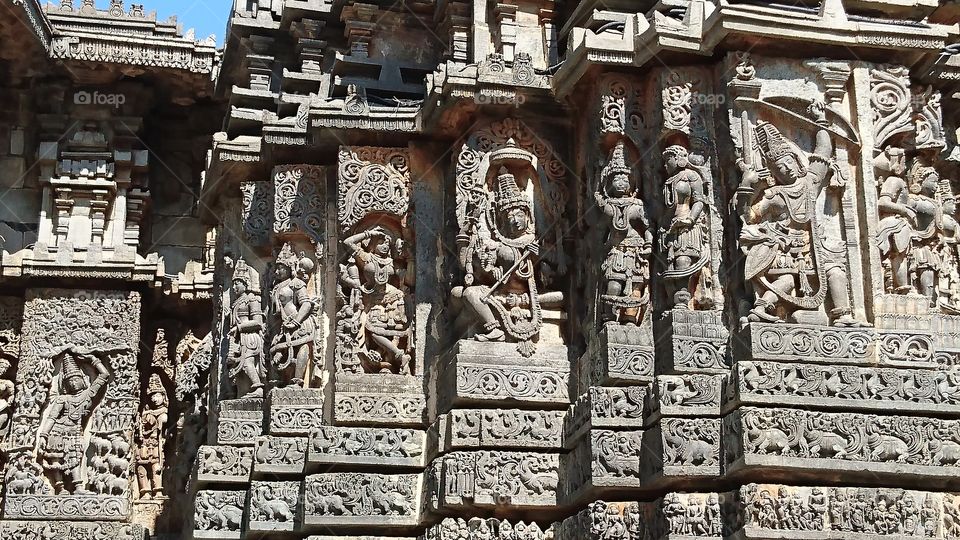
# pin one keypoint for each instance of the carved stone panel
(280, 455)
(219, 514)
(224, 464)
(494, 478)
(273, 506)
(361, 499)
(374, 329)
(494, 373)
(383, 447)
(466, 429)
(79, 360)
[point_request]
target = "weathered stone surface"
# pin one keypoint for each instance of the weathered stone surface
(457, 270)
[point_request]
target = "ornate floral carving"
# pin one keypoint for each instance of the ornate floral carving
(298, 201)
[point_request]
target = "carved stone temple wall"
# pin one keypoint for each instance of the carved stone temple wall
(475, 270)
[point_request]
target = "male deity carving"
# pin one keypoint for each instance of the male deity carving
(949, 252)
(151, 434)
(793, 264)
(897, 217)
(293, 307)
(60, 446)
(627, 241)
(375, 280)
(246, 333)
(500, 288)
(684, 236)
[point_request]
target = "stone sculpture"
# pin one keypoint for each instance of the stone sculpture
(60, 444)
(373, 281)
(151, 438)
(685, 236)
(792, 264)
(897, 217)
(627, 237)
(246, 333)
(293, 309)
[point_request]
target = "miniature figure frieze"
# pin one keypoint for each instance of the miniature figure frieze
(696, 515)
(246, 362)
(854, 512)
(487, 529)
(374, 320)
(294, 311)
(152, 434)
(510, 196)
(795, 252)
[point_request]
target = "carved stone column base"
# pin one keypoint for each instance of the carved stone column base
(698, 341)
(378, 399)
(240, 421)
(496, 374)
(294, 411)
(784, 342)
(621, 354)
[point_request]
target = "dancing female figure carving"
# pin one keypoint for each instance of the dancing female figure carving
(374, 281)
